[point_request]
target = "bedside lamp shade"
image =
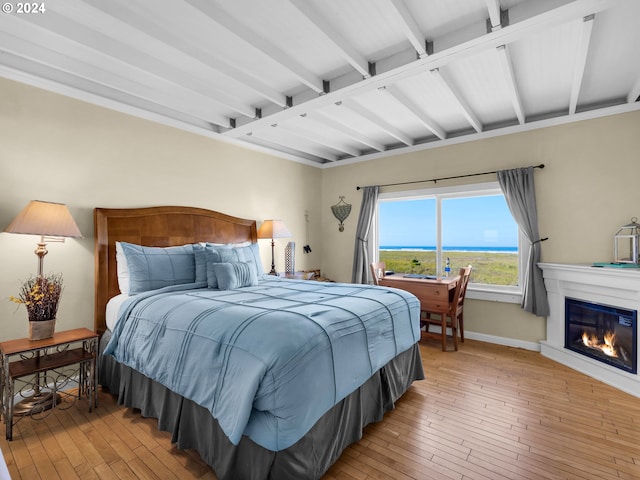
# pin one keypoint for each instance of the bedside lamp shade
(49, 220)
(45, 218)
(273, 229)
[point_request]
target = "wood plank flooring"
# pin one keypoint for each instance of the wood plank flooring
(484, 412)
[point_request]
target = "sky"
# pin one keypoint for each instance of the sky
(471, 222)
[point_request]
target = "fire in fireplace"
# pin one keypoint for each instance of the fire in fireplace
(602, 332)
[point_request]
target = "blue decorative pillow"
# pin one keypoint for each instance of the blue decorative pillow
(155, 267)
(200, 258)
(212, 257)
(235, 275)
(250, 254)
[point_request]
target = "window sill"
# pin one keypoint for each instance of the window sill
(492, 294)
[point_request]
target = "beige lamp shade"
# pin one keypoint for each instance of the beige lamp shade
(273, 229)
(52, 221)
(46, 219)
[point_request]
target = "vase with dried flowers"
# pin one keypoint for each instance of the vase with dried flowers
(41, 296)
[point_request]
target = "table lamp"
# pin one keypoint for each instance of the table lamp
(273, 229)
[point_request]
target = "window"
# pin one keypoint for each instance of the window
(418, 231)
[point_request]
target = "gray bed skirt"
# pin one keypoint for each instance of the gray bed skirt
(192, 426)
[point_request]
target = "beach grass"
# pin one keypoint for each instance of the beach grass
(494, 268)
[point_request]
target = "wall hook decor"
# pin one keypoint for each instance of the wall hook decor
(341, 211)
(306, 248)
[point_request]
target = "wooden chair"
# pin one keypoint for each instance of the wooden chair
(454, 319)
(460, 305)
(376, 268)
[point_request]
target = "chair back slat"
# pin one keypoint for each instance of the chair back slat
(377, 271)
(461, 290)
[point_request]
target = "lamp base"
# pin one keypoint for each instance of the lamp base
(36, 403)
(273, 261)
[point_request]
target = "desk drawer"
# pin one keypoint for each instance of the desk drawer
(432, 306)
(433, 297)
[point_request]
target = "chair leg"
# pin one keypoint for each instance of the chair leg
(461, 326)
(454, 332)
(444, 332)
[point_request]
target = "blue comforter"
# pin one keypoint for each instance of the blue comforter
(267, 361)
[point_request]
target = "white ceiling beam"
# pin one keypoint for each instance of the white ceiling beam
(410, 27)
(145, 87)
(353, 57)
(135, 60)
(217, 14)
(279, 136)
(385, 126)
(135, 15)
(330, 119)
(48, 78)
(634, 93)
(410, 105)
(260, 144)
(498, 132)
(493, 6)
(525, 27)
(510, 81)
(461, 103)
(581, 61)
(313, 136)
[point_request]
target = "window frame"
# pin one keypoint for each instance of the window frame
(496, 293)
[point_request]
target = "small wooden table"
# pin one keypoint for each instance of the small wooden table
(435, 295)
(36, 358)
(305, 275)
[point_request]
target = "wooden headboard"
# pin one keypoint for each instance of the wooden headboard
(158, 227)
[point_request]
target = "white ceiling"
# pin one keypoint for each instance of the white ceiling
(328, 82)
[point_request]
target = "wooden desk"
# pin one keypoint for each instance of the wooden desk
(435, 295)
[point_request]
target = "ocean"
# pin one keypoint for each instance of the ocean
(452, 249)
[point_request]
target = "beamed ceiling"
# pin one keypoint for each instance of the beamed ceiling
(328, 82)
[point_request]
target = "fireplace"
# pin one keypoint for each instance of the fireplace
(602, 332)
(599, 302)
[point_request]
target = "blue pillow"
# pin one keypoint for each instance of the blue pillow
(200, 258)
(249, 253)
(212, 256)
(235, 275)
(156, 267)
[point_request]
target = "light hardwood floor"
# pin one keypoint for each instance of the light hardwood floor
(484, 412)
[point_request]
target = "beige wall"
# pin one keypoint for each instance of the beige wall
(588, 189)
(57, 149)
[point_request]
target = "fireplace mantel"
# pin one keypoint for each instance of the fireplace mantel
(618, 287)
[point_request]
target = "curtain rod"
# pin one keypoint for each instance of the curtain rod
(435, 180)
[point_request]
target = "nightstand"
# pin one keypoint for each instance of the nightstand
(42, 366)
(305, 275)
(298, 275)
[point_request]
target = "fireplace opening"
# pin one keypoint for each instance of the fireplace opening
(602, 332)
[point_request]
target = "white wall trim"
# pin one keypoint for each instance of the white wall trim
(507, 342)
(482, 337)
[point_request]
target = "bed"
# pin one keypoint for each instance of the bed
(252, 373)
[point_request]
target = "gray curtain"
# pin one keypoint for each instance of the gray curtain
(517, 186)
(360, 273)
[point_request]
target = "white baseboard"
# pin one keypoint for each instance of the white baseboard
(507, 342)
